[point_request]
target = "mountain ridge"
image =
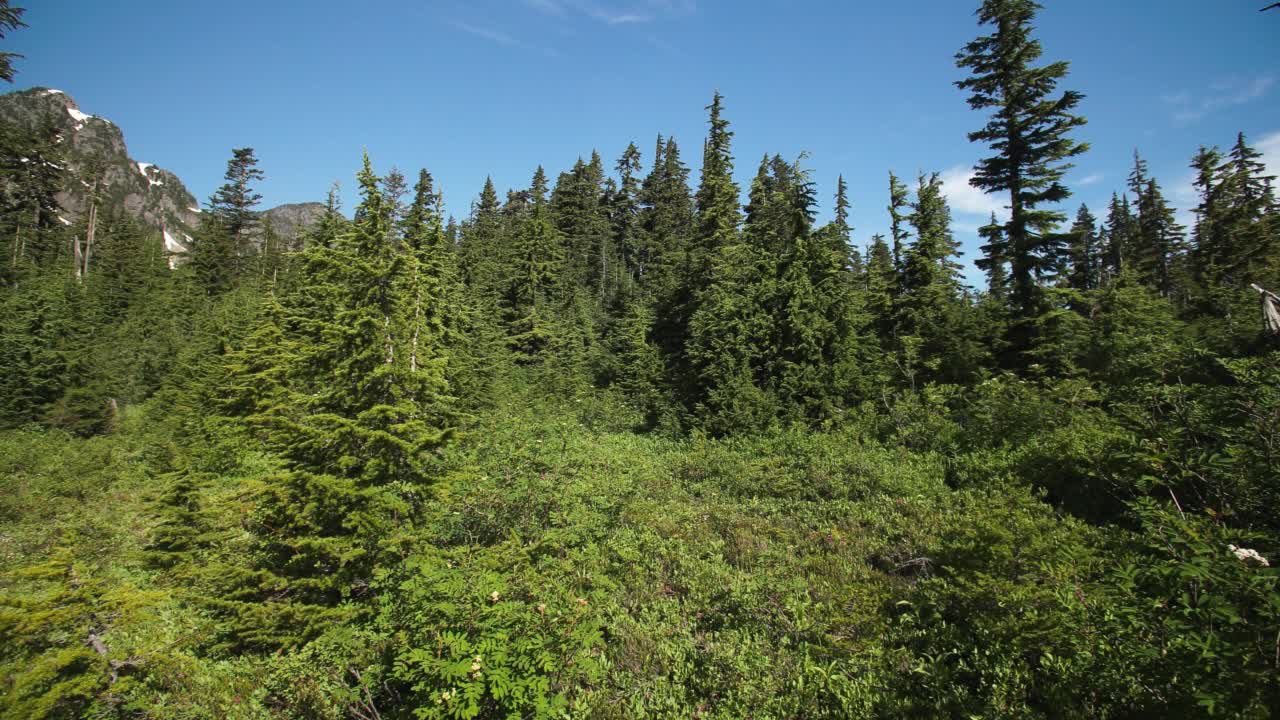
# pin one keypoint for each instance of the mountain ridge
(96, 156)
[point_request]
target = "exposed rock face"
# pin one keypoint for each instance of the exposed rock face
(153, 195)
(290, 222)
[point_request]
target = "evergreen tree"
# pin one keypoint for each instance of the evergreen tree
(331, 224)
(31, 176)
(534, 288)
(841, 230)
(714, 246)
(394, 189)
(1029, 134)
(364, 403)
(1084, 252)
(817, 322)
(10, 20)
(732, 333)
(221, 245)
(1207, 238)
(624, 214)
(929, 312)
(899, 202)
(881, 286)
(482, 255)
(1251, 220)
(995, 259)
(717, 199)
(581, 216)
(666, 223)
(1121, 236)
(1160, 240)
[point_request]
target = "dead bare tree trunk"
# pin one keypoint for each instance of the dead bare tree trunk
(1270, 310)
(90, 233)
(77, 259)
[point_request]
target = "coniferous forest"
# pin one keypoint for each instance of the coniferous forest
(637, 442)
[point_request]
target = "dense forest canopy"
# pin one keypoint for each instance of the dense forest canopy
(639, 441)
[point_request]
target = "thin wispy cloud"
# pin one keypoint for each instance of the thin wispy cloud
(967, 199)
(550, 7)
(1190, 107)
(499, 37)
(490, 34)
(623, 18)
(1269, 146)
(1091, 179)
(612, 13)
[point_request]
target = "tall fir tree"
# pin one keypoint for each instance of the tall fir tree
(1207, 241)
(929, 313)
(842, 230)
(624, 215)
(881, 287)
(1121, 229)
(1029, 134)
(533, 292)
(220, 253)
(717, 200)
(10, 20)
(899, 210)
(357, 402)
(1160, 241)
(1084, 252)
(995, 258)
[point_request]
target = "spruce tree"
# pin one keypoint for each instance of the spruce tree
(931, 336)
(995, 259)
(354, 409)
(1160, 240)
(898, 212)
(10, 20)
(1252, 221)
(1029, 134)
(32, 175)
(717, 200)
(841, 230)
(1121, 235)
(624, 214)
(817, 320)
(666, 224)
(1207, 238)
(881, 286)
(219, 253)
(713, 248)
(733, 333)
(482, 254)
(1084, 252)
(533, 290)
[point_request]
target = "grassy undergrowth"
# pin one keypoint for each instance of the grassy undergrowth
(566, 566)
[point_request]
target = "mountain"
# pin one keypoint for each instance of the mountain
(153, 195)
(93, 146)
(292, 220)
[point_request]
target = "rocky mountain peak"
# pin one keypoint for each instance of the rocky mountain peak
(96, 158)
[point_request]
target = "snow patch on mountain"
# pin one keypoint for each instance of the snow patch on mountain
(79, 117)
(171, 243)
(145, 169)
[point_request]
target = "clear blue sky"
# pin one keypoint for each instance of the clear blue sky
(475, 87)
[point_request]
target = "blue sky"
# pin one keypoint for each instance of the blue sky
(470, 88)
